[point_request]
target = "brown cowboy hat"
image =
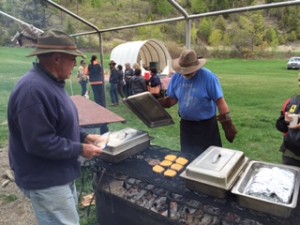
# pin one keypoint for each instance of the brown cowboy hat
(112, 62)
(56, 41)
(188, 62)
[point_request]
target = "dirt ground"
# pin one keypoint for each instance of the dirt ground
(15, 209)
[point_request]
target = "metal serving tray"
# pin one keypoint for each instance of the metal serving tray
(124, 143)
(260, 204)
(149, 110)
(214, 171)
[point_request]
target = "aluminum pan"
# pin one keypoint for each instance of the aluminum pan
(263, 205)
(149, 110)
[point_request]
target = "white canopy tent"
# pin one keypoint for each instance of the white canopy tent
(146, 53)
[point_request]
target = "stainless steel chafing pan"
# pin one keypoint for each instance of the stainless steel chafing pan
(263, 204)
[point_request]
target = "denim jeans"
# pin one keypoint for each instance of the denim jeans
(114, 93)
(83, 87)
(98, 91)
(55, 205)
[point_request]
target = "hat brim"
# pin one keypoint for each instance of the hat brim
(44, 51)
(189, 69)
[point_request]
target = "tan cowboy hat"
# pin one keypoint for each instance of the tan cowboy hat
(188, 62)
(56, 41)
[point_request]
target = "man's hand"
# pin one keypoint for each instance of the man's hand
(94, 144)
(94, 139)
(90, 151)
(167, 102)
(228, 127)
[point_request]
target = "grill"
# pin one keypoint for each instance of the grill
(130, 193)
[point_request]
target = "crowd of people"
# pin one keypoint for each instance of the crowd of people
(122, 83)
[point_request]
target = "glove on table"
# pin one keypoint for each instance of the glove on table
(228, 127)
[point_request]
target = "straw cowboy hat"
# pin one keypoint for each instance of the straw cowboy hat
(188, 62)
(56, 41)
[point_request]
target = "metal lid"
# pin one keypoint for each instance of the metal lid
(149, 110)
(216, 166)
(124, 140)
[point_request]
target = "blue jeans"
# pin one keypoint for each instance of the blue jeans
(83, 87)
(114, 93)
(98, 94)
(55, 205)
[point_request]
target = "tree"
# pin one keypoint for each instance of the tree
(215, 38)
(198, 6)
(220, 23)
(253, 24)
(205, 29)
(271, 37)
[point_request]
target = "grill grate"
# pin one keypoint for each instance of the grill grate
(133, 180)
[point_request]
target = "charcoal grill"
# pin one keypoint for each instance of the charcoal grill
(129, 193)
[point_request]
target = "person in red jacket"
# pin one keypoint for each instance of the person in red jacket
(290, 146)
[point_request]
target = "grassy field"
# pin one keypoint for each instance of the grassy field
(254, 89)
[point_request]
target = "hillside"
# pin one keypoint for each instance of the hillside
(244, 33)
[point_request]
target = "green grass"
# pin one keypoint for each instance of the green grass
(255, 91)
(7, 198)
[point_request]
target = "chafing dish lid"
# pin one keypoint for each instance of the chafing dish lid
(124, 140)
(149, 110)
(216, 166)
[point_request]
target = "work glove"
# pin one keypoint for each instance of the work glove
(228, 127)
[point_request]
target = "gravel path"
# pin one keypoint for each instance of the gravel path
(15, 209)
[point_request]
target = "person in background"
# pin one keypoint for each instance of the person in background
(94, 71)
(82, 78)
(45, 160)
(199, 94)
(114, 81)
(138, 83)
(121, 84)
(290, 146)
(154, 81)
(128, 73)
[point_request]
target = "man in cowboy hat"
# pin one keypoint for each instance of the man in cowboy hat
(199, 95)
(45, 138)
(114, 79)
